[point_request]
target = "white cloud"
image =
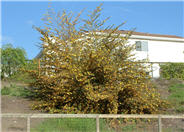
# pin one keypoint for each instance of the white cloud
(30, 22)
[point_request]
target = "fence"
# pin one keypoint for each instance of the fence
(94, 116)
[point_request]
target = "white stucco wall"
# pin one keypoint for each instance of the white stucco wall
(164, 51)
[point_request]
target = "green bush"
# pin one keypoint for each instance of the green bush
(172, 70)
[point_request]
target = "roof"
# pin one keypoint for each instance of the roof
(146, 34)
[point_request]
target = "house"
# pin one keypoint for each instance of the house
(155, 48)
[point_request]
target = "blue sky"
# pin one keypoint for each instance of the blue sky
(150, 17)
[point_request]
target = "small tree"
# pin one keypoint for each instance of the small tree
(11, 60)
(91, 69)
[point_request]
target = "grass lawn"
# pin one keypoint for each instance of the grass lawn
(176, 97)
(78, 125)
(71, 125)
(89, 125)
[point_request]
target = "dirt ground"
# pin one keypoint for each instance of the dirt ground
(16, 105)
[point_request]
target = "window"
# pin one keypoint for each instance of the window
(141, 46)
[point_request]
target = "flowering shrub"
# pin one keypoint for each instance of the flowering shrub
(91, 70)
